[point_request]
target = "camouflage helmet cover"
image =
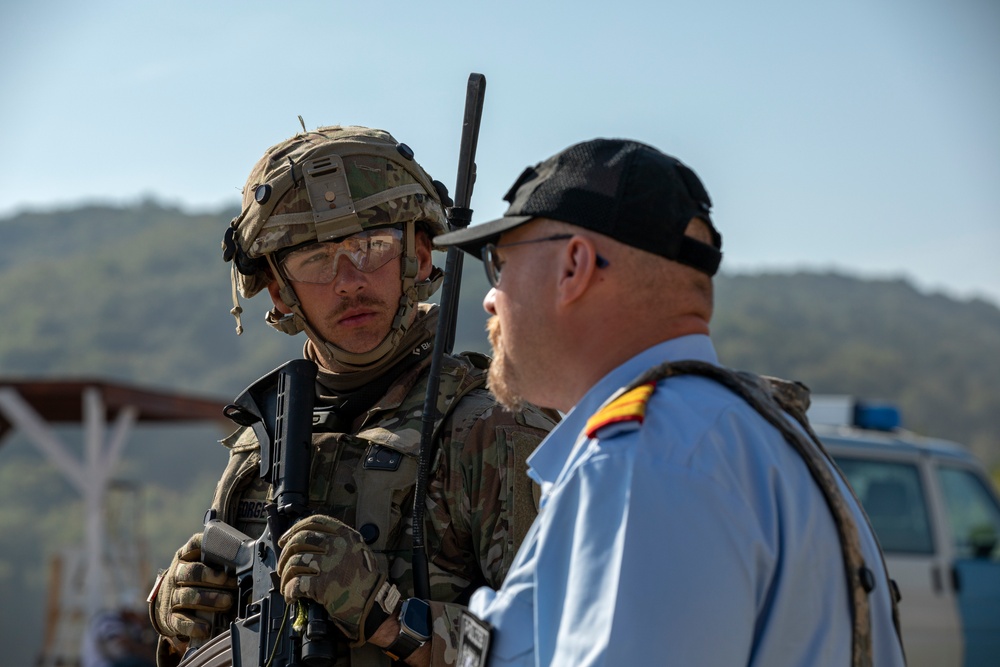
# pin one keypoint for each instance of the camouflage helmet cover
(327, 184)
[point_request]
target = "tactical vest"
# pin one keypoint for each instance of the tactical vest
(364, 479)
(772, 398)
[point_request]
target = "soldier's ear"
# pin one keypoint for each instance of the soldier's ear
(279, 305)
(424, 260)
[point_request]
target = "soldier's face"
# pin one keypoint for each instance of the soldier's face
(355, 311)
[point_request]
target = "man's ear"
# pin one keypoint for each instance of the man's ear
(424, 260)
(279, 305)
(578, 264)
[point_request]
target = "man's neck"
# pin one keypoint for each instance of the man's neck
(605, 348)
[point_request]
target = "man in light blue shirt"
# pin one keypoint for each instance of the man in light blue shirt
(678, 524)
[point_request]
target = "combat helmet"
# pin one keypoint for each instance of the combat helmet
(323, 185)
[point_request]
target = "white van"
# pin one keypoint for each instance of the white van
(937, 517)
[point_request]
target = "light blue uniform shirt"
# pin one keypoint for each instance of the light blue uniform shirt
(697, 538)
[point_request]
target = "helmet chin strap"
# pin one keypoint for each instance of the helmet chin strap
(337, 358)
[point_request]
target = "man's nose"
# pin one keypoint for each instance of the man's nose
(489, 301)
(348, 278)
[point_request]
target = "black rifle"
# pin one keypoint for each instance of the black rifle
(266, 632)
(459, 216)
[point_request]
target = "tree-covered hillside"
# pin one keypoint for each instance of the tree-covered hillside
(937, 358)
(138, 294)
(142, 294)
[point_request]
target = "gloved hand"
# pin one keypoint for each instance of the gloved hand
(189, 593)
(323, 559)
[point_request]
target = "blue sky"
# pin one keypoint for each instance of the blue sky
(859, 136)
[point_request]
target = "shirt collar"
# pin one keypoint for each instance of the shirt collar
(551, 456)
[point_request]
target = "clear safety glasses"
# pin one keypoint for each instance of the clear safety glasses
(368, 251)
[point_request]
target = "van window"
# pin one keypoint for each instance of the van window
(894, 500)
(972, 513)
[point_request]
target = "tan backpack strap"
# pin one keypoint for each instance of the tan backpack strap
(464, 379)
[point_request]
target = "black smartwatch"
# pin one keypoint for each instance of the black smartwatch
(414, 629)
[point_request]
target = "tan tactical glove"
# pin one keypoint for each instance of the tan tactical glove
(189, 593)
(324, 560)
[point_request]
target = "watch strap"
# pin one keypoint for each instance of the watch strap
(403, 647)
(409, 640)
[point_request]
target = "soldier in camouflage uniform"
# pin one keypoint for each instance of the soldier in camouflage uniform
(336, 225)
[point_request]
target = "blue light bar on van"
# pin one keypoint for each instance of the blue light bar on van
(876, 416)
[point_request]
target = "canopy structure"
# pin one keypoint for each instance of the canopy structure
(60, 401)
(95, 576)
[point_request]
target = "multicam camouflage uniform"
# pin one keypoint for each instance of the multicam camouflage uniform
(324, 185)
(480, 502)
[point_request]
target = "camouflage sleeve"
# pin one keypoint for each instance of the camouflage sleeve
(445, 619)
(483, 500)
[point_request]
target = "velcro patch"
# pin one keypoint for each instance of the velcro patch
(250, 510)
(629, 407)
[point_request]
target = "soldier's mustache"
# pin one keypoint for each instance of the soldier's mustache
(362, 300)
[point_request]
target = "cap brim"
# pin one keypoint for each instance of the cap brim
(472, 239)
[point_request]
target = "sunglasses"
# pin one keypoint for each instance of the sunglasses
(368, 251)
(493, 264)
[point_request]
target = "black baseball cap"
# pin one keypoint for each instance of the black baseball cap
(623, 189)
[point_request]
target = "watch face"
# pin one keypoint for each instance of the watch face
(415, 616)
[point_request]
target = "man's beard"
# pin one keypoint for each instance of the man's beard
(502, 376)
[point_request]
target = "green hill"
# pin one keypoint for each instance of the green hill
(141, 294)
(937, 358)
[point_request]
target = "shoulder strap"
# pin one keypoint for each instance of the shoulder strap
(771, 398)
(464, 378)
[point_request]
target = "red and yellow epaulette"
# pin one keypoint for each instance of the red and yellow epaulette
(629, 407)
